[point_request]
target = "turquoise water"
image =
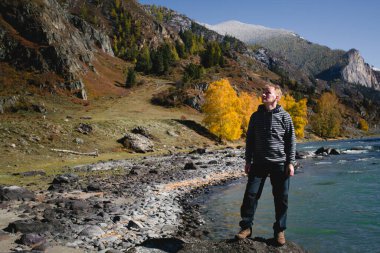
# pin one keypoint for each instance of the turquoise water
(334, 202)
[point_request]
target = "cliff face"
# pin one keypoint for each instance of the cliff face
(42, 36)
(358, 72)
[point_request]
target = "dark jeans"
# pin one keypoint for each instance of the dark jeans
(280, 188)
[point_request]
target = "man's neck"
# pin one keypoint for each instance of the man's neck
(270, 106)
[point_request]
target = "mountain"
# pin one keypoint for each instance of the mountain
(85, 49)
(249, 33)
(314, 60)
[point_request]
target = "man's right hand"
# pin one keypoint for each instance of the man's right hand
(247, 168)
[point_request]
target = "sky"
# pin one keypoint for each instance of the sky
(338, 24)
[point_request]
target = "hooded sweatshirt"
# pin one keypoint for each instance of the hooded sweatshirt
(270, 137)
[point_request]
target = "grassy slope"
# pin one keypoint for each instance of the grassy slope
(113, 111)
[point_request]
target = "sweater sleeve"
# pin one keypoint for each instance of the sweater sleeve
(249, 143)
(290, 141)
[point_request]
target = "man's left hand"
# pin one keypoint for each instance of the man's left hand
(290, 170)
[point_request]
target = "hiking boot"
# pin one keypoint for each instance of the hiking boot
(280, 237)
(244, 233)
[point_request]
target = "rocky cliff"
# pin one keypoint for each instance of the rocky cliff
(358, 72)
(42, 36)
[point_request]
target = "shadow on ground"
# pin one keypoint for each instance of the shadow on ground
(199, 129)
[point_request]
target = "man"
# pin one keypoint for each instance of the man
(270, 150)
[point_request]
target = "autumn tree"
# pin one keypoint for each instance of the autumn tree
(298, 112)
(363, 125)
(249, 104)
(327, 120)
(221, 109)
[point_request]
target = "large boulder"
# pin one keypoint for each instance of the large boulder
(137, 143)
(258, 245)
(15, 192)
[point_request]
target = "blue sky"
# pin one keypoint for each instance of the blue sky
(338, 24)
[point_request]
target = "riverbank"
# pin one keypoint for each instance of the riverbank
(140, 199)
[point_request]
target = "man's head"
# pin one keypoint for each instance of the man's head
(271, 94)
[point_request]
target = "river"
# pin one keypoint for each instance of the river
(334, 201)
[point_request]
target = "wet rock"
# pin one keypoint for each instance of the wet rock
(304, 154)
(137, 143)
(334, 151)
(15, 193)
(321, 151)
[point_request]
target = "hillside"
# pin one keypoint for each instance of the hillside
(65, 63)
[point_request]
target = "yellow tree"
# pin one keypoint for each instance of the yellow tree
(327, 120)
(363, 125)
(249, 104)
(298, 112)
(221, 109)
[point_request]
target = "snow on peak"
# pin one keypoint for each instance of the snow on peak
(248, 33)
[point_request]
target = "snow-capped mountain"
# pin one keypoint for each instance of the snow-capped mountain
(249, 33)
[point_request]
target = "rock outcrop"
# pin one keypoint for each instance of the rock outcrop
(359, 72)
(43, 36)
(258, 245)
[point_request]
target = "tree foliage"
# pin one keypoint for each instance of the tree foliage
(131, 78)
(192, 72)
(363, 125)
(221, 109)
(213, 55)
(327, 120)
(249, 104)
(298, 112)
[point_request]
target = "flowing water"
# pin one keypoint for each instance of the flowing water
(334, 201)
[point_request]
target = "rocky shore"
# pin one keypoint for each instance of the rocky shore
(136, 201)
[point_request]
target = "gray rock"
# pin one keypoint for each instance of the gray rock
(66, 179)
(15, 193)
(32, 239)
(137, 143)
(78, 141)
(190, 166)
(92, 231)
(84, 128)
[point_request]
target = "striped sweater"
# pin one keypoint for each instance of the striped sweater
(270, 137)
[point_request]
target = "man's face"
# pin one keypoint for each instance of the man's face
(269, 95)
